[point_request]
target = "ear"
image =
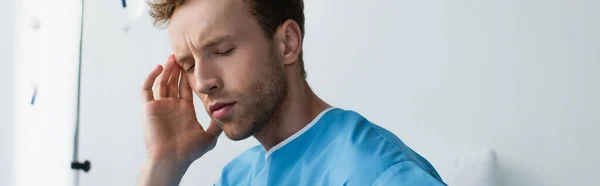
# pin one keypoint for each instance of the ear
(289, 41)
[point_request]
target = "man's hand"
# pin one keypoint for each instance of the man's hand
(173, 136)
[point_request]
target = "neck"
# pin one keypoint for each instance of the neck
(299, 108)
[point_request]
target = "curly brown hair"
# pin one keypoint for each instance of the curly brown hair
(270, 14)
(162, 10)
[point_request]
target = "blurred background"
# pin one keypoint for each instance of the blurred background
(492, 92)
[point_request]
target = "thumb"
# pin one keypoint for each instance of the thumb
(214, 129)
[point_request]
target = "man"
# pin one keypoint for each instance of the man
(243, 58)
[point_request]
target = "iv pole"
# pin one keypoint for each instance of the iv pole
(75, 164)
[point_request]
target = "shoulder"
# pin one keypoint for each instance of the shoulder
(373, 147)
(367, 138)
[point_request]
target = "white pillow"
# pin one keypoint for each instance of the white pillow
(469, 169)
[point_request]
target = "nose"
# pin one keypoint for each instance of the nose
(207, 79)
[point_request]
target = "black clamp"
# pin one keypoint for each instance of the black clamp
(85, 166)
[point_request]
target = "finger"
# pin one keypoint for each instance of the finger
(214, 129)
(164, 77)
(147, 93)
(155, 87)
(174, 81)
(185, 90)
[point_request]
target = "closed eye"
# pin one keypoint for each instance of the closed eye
(190, 69)
(226, 53)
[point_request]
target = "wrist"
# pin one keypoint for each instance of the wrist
(170, 155)
(169, 163)
(163, 172)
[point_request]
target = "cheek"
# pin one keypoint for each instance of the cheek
(244, 70)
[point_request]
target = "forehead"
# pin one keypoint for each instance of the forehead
(200, 20)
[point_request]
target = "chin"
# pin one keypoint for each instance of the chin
(236, 136)
(236, 133)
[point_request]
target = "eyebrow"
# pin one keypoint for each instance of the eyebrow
(217, 40)
(209, 44)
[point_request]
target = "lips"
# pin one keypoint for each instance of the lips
(220, 109)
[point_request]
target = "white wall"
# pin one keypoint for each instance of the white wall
(6, 81)
(516, 76)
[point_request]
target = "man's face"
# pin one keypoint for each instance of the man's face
(231, 65)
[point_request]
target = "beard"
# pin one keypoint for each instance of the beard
(260, 105)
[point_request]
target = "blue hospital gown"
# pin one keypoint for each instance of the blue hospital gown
(339, 147)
